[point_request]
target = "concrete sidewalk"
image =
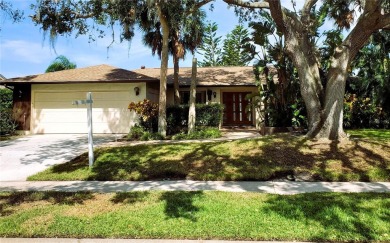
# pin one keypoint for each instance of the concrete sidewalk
(274, 187)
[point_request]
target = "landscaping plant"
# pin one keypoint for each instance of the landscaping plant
(207, 115)
(199, 133)
(147, 112)
(7, 123)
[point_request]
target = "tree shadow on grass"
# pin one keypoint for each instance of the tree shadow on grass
(74, 164)
(129, 163)
(356, 160)
(8, 200)
(129, 197)
(265, 158)
(180, 204)
(326, 160)
(340, 215)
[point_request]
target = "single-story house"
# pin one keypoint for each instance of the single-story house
(43, 103)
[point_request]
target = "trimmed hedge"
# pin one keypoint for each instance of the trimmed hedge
(7, 123)
(207, 115)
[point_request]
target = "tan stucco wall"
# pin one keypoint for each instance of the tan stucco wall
(53, 112)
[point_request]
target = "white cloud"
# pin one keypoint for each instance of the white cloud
(28, 51)
(119, 54)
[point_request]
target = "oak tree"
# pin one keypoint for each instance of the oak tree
(324, 100)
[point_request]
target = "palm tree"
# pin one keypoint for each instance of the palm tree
(60, 63)
(82, 16)
(185, 34)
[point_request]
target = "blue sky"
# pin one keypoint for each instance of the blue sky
(24, 51)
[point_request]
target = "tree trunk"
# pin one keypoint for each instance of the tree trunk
(178, 52)
(176, 79)
(192, 112)
(324, 109)
(331, 125)
(300, 50)
(162, 107)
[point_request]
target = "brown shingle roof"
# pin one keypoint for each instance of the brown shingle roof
(208, 76)
(100, 73)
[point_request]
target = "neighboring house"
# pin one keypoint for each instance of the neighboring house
(43, 103)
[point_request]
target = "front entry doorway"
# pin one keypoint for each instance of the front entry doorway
(235, 106)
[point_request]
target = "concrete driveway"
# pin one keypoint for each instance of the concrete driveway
(27, 155)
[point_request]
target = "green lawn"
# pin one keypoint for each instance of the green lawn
(366, 157)
(197, 215)
(372, 134)
(8, 137)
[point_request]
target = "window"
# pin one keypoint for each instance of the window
(185, 97)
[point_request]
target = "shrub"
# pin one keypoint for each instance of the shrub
(209, 115)
(148, 113)
(7, 123)
(177, 116)
(151, 136)
(206, 116)
(139, 133)
(136, 133)
(201, 133)
(360, 112)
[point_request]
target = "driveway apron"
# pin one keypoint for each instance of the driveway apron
(27, 155)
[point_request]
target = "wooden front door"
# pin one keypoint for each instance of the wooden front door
(235, 105)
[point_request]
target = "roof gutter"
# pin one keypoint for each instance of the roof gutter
(12, 83)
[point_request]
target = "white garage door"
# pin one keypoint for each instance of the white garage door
(53, 112)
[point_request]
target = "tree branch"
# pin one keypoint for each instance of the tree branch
(277, 14)
(386, 21)
(369, 21)
(84, 16)
(306, 10)
(201, 3)
(307, 6)
(197, 6)
(246, 4)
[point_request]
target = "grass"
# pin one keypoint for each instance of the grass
(204, 133)
(373, 134)
(197, 215)
(366, 158)
(8, 137)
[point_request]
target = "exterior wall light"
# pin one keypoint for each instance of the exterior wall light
(215, 94)
(136, 90)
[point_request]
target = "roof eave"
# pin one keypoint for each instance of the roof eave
(5, 82)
